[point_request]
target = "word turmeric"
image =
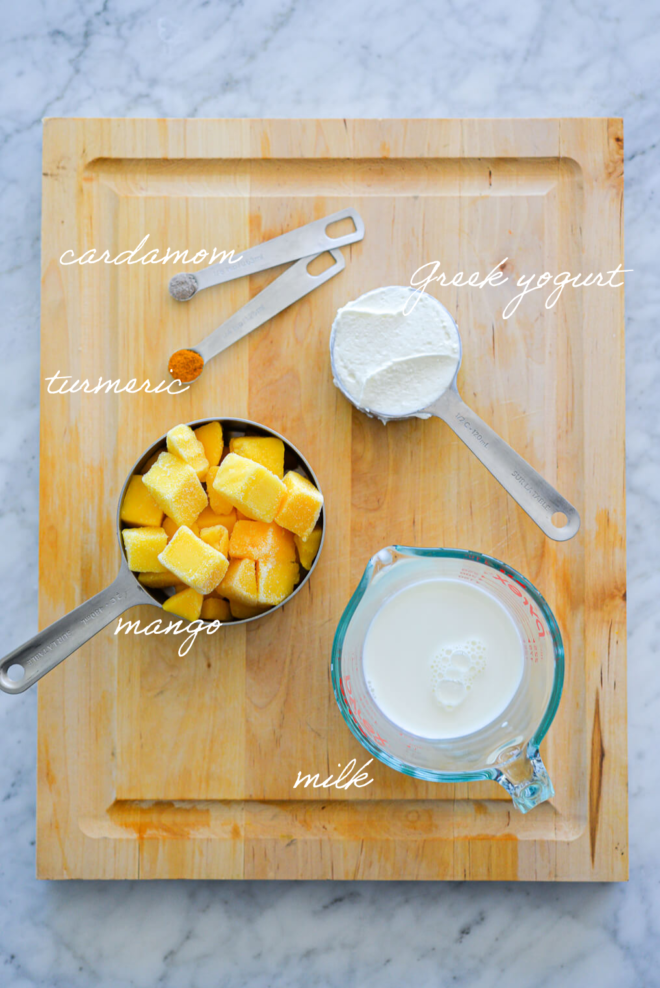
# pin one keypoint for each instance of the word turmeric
(185, 365)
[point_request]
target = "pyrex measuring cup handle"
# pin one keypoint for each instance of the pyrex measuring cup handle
(526, 780)
(532, 492)
(56, 642)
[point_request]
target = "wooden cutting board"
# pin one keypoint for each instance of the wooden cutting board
(156, 766)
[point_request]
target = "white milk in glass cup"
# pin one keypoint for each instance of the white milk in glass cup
(448, 665)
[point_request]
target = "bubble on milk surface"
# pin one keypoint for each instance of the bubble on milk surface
(454, 669)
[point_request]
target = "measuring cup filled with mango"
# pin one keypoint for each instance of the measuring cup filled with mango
(218, 521)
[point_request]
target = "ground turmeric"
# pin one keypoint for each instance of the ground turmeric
(185, 365)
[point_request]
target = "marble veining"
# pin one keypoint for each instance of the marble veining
(289, 58)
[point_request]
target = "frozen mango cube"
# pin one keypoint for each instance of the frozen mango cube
(275, 581)
(218, 502)
(171, 527)
(216, 609)
(308, 549)
(208, 519)
(210, 436)
(138, 506)
(241, 611)
(266, 450)
(156, 581)
(240, 582)
(143, 546)
(182, 442)
(301, 506)
(175, 486)
(186, 604)
(216, 536)
(196, 563)
(261, 540)
(249, 486)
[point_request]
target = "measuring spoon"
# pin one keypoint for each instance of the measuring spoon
(304, 241)
(532, 492)
(290, 287)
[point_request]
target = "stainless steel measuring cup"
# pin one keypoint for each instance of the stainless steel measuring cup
(54, 644)
(532, 492)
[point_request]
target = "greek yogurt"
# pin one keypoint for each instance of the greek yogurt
(392, 360)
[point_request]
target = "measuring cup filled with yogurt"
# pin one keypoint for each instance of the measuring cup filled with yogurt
(448, 665)
(395, 354)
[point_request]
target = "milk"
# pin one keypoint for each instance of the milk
(442, 658)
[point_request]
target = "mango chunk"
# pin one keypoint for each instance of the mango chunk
(260, 540)
(216, 536)
(241, 611)
(275, 580)
(301, 506)
(186, 604)
(266, 450)
(308, 549)
(156, 581)
(138, 506)
(240, 582)
(249, 486)
(218, 503)
(215, 609)
(182, 442)
(171, 527)
(216, 592)
(196, 563)
(208, 519)
(175, 486)
(210, 436)
(143, 546)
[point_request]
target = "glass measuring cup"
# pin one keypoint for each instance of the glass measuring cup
(525, 485)
(505, 750)
(60, 639)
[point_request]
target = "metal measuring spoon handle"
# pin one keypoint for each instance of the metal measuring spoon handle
(291, 286)
(532, 492)
(57, 642)
(301, 242)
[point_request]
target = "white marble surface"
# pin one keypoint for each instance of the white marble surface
(345, 58)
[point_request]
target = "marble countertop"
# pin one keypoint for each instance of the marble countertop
(292, 58)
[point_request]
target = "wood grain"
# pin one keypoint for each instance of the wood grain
(156, 766)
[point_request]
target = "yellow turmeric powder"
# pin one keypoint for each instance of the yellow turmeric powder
(185, 365)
